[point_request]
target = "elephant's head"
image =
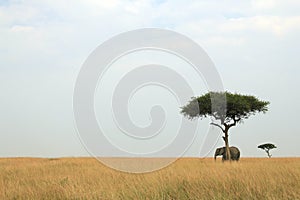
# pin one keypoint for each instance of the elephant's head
(219, 151)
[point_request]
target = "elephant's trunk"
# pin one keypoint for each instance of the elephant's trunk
(215, 157)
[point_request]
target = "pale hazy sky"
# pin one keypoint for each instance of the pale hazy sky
(254, 45)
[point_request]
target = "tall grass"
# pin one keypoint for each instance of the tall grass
(187, 178)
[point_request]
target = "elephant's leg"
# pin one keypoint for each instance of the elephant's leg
(236, 157)
(223, 157)
(233, 156)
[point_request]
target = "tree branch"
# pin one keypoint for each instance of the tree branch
(218, 125)
(231, 125)
(237, 120)
(234, 122)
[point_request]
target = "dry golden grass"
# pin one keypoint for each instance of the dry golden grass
(187, 178)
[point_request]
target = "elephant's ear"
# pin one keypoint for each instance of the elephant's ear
(223, 150)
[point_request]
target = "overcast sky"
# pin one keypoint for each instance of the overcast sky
(254, 45)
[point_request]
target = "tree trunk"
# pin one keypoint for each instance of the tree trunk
(268, 153)
(228, 156)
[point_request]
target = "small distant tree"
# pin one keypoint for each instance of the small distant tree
(267, 147)
(225, 109)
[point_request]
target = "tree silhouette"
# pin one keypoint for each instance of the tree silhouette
(267, 147)
(227, 108)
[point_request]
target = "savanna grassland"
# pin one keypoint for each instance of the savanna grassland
(187, 178)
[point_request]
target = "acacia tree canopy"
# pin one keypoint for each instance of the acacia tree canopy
(267, 146)
(224, 106)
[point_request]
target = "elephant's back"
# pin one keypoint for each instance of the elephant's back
(235, 148)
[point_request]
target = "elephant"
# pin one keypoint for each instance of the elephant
(234, 153)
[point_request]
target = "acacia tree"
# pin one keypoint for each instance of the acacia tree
(225, 109)
(267, 147)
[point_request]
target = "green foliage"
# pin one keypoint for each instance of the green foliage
(267, 146)
(224, 106)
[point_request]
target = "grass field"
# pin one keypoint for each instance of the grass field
(187, 178)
